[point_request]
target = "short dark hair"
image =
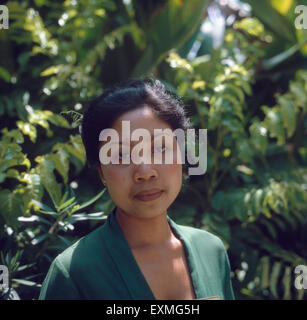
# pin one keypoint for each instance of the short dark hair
(126, 96)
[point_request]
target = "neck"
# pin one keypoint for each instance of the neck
(153, 233)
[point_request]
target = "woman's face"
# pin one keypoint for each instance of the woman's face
(126, 181)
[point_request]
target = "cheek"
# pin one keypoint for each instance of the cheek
(117, 176)
(173, 173)
(113, 176)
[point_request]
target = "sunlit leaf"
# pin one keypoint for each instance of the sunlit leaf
(11, 207)
(46, 168)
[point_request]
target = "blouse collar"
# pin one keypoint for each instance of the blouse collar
(128, 268)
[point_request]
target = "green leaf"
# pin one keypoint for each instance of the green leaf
(248, 204)
(234, 205)
(274, 278)
(61, 160)
(12, 173)
(300, 216)
(282, 6)
(89, 202)
(265, 265)
(273, 122)
(26, 266)
(43, 206)
(259, 137)
(218, 200)
(288, 115)
(258, 198)
(27, 129)
(299, 94)
(59, 121)
(271, 18)
(15, 261)
(237, 90)
(287, 282)
(34, 188)
(4, 74)
(281, 57)
(26, 282)
(11, 207)
(46, 167)
(244, 149)
(51, 70)
(77, 148)
(270, 228)
(83, 216)
(34, 218)
(39, 239)
(67, 204)
(291, 220)
(53, 214)
(300, 294)
(217, 225)
(281, 224)
(2, 177)
(250, 25)
(168, 29)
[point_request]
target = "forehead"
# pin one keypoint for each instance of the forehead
(141, 118)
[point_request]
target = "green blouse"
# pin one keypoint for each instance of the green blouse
(101, 265)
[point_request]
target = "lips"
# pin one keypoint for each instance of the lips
(149, 195)
(148, 192)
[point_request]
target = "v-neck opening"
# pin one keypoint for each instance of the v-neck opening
(139, 275)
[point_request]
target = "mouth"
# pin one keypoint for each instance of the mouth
(149, 195)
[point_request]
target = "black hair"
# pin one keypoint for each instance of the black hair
(126, 96)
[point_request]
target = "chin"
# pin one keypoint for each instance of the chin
(149, 211)
(152, 214)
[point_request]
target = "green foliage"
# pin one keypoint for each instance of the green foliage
(275, 21)
(14, 267)
(170, 18)
(254, 201)
(52, 222)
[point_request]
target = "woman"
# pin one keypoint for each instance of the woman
(139, 252)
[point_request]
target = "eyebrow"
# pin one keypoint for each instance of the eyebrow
(154, 136)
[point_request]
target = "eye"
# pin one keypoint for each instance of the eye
(124, 155)
(161, 149)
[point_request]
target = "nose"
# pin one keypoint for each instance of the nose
(145, 172)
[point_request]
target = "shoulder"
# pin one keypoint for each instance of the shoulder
(202, 240)
(69, 276)
(208, 249)
(200, 235)
(81, 252)
(61, 281)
